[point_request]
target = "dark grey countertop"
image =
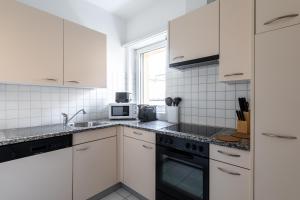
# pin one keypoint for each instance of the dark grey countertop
(12, 136)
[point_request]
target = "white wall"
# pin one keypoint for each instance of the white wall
(155, 19)
(194, 4)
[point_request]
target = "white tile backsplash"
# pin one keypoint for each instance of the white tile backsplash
(205, 100)
(26, 106)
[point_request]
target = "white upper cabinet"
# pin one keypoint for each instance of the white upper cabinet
(195, 35)
(31, 50)
(277, 136)
(275, 14)
(84, 57)
(236, 39)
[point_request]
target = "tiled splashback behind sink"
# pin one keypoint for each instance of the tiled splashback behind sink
(206, 100)
(25, 106)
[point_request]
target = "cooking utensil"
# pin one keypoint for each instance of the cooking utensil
(238, 115)
(169, 101)
(244, 105)
(177, 100)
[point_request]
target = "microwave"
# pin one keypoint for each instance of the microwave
(123, 111)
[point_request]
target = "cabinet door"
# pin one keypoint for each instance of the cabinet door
(31, 50)
(275, 14)
(195, 35)
(277, 137)
(84, 57)
(139, 167)
(95, 167)
(236, 39)
(228, 182)
(46, 176)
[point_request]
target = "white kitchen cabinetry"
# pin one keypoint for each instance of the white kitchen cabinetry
(195, 35)
(46, 176)
(84, 57)
(236, 39)
(276, 14)
(120, 153)
(229, 155)
(228, 182)
(277, 137)
(139, 166)
(94, 166)
(31, 50)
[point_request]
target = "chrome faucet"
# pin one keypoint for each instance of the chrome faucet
(66, 118)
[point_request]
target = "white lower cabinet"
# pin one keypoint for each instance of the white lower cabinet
(139, 166)
(228, 182)
(47, 176)
(94, 167)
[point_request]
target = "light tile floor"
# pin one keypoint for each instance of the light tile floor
(120, 194)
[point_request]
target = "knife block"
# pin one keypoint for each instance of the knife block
(244, 126)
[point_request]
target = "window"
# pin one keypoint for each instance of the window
(152, 75)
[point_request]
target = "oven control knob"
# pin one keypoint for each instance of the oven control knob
(194, 147)
(188, 145)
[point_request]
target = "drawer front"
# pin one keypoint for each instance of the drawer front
(229, 155)
(228, 182)
(89, 136)
(140, 134)
(275, 14)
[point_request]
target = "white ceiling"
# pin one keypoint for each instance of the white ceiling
(123, 8)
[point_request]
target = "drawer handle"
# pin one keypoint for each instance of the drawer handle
(234, 74)
(82, 149)
(77, 82)
(280, 136)
(228, 172)
(51, 79)
(147, 147)
(281, 17)
(138, 133)
(229, 154)
(178, 57)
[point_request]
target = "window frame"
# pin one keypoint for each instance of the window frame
(139, 66)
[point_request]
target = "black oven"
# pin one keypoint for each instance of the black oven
(182, 169)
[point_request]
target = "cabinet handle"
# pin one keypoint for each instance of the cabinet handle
(77, 82)
(281, 17)
(137, 133)
(147, 147)
(178, 57)
(234, 74)
(82, 149)
(280, 136)
(228, 172)
(51, 79)
(229, 154)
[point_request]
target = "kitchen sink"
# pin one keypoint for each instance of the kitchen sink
(87, 124)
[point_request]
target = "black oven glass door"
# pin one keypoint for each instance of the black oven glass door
(181, 175)
(122, 111)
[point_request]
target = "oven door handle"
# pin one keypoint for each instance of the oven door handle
(180, 155)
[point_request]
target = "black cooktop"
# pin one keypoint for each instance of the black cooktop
(194, 129)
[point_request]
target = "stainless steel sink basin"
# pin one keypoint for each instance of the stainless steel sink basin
(87, 124)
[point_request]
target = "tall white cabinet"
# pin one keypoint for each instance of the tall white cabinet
(277, 136)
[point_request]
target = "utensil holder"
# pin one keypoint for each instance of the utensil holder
(244, 126)
(172, 114)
